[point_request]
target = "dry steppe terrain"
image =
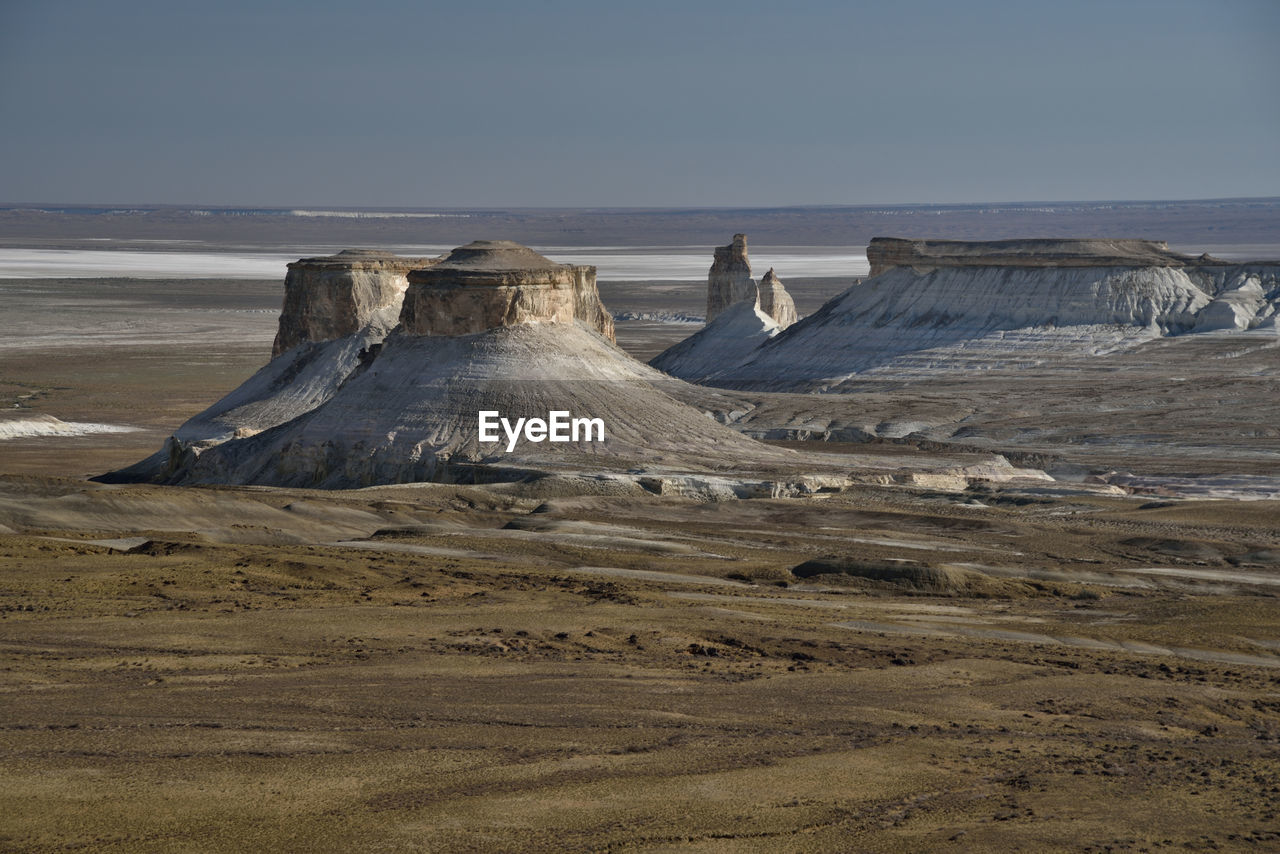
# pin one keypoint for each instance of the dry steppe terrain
(519, 668)
(449, 668)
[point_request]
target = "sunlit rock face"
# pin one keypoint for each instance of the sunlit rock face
(493, 327)
(729, 280)
(775, 301)
(587, 306)
(338, 295)
(337, 310)
(949, 307)
(886, 252)
(491, 284)
(741, 316)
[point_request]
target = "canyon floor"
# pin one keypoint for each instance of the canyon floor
(446, 668)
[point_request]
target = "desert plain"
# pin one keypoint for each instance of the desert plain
(525, 667)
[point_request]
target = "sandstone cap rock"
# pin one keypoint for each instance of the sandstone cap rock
(886, 252)
(490, 284)
(729, 280)
(332, 296)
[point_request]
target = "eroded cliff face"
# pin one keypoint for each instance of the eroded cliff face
(494, 327)
(587, 305)
(945, 307)
(885, 253)
(338, 295)
(491, 284)
(337, 311)
(775, 301)
(729, 280)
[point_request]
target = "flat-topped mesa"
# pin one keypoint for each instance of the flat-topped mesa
(490, 284)
(887, 252)
(338, 295)
(729, 280)
(775, 301)
(945, 307)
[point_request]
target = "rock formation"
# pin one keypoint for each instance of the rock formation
(337, 310)
(337, 295)
(492, 326)
(493, 283)
(948, 306)
(886, 252)
(588, 308)
(729, 280)
(775, 301)
(741, 316)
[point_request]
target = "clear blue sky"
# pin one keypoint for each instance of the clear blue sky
(647, 103)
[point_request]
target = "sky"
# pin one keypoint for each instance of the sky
(556, 103)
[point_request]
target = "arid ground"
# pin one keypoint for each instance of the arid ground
(447, 668)
(509, 668)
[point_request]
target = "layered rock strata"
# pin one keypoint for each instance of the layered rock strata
(943, 306)
(588, 308)
(729, 280)
(492, 327)
(495, 283)
(337, 310)
(337, 295)
(741, 316)
(775, 301)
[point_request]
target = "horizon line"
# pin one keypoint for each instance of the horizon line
(339, 208)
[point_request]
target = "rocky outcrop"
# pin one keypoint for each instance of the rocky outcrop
(337, 295)
(775, 301)
(729, 280)
(741, 316)
(491, 284)
(413, 416)
(588, 308)
(937, 307)
(493, 327)
(888, 252)
(337, 311)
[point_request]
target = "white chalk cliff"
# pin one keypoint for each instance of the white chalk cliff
(947, 306)
(492, 326)
(741, 316)
(354, 291)
(337, 310)
(729, 282)
(732, 337)
(775, 301)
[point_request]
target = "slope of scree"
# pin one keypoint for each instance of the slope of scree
(493, 326)
(413, 416)
(728, 340)
(741, 316)
(937, 307)
(337, 309)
